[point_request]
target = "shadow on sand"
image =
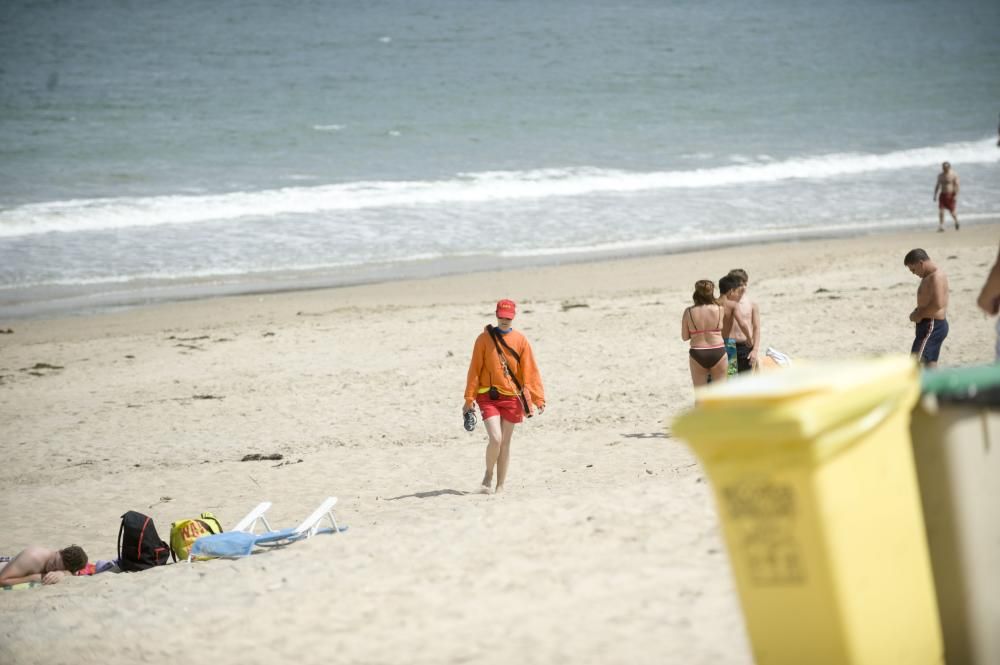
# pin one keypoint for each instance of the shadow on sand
(427, 495)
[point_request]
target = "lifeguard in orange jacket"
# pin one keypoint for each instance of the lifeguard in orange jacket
(504, 381)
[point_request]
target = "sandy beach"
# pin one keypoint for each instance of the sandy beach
(605, 547)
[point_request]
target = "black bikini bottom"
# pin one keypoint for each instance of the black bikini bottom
(707, 358)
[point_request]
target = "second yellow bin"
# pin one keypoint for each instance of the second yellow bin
(814, 481)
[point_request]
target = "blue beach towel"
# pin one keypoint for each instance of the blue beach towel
(229, 544)
(233, 544)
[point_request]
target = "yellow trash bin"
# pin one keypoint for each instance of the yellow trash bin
(814, 482)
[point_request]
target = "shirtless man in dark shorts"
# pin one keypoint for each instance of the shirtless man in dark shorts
(746, 349)
(932, 304)
(946, 194)
(731, 289)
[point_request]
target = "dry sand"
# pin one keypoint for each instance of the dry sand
(604, 549)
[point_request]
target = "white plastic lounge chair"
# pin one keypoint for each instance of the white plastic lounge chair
(249, 523)
(309, 527)
(778, 357)
(239, 543)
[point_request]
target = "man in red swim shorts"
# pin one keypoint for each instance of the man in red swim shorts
(946, 194)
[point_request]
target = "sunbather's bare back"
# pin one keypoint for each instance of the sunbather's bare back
(33, 564)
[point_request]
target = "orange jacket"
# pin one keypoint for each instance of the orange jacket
(485, 369)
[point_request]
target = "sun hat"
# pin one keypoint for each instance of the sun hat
(505, 309)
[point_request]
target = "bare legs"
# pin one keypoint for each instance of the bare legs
(719, 370)
(941, 220)
(497, 451)
(699, 375)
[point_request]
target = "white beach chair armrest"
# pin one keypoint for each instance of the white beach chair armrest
(249, 522)
(311, 524)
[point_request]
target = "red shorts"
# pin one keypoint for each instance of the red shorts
(507, 407)
(946, 202)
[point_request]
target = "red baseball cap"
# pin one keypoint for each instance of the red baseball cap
(506, 309)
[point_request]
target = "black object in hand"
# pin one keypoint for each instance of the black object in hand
(469, 420)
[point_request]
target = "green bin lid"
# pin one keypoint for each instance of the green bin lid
(967, 385)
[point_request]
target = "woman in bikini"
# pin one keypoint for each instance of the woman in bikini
(702, 325)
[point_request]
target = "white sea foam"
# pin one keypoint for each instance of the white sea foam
(237, 273)
(484, 187)
(699, 239)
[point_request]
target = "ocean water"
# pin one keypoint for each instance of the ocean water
(164, 150)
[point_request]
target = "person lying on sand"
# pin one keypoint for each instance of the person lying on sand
(40, 564)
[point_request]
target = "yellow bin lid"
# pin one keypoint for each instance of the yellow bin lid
(800, 403)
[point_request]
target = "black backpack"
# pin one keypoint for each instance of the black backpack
(139, 546)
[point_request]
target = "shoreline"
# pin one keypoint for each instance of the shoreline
(559, 282)
(58, 301)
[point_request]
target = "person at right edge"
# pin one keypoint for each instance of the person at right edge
(989, 298)
(504, 381)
